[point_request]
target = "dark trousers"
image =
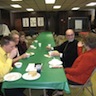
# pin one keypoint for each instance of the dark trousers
(72, 82)
(1, 94)
(12, 92)
(50, 91)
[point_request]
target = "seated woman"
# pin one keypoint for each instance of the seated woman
(78, 73)
(15, 35)
(22, 47)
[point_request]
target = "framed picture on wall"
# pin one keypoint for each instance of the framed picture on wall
(78, 24)
(33, 22)
(40, 21)
(25, 22)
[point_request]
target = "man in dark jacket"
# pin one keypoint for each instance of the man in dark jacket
(68, 51)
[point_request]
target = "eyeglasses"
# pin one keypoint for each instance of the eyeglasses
(70, 35)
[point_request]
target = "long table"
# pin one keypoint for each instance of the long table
(51, 78)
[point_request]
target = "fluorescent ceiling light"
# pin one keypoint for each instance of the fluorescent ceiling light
(16, 0)
(75, 8)
(49, 1)
(15, 5)
(91, 4)
(30, 9)
(57, 7)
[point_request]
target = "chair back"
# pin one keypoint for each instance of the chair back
(87, 84)
(91, 75)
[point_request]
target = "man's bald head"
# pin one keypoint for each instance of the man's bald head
(70, 35)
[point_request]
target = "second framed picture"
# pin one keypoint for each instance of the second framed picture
(33, 22)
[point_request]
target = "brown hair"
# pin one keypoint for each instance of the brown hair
(22, 33)
(6, 40)
(90, 40)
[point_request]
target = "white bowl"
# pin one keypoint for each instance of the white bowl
(18, 64)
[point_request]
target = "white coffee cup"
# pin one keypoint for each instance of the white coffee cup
(36, 41)
(38, 67)
(28, 55)
(39, 44)
(49, 45)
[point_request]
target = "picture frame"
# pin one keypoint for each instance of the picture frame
(25, 22)
(40, 21)
(78, 24)
(33, 22)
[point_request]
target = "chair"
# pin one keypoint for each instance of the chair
(86, 85)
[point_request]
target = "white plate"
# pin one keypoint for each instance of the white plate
(13, 76)
(55, 62)
(26, 76)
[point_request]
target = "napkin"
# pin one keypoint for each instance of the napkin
(32, 46)
(30, 67)
(55, 63)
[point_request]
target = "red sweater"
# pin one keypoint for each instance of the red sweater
(82, 67)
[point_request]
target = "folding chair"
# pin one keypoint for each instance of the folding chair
(86, 85)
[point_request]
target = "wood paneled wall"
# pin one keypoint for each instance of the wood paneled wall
(53, 21)
(5, 17)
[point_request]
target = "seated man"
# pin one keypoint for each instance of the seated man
(68, 51)
(6, 59)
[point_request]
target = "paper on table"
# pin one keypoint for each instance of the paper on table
(30, 67)
(57, 66)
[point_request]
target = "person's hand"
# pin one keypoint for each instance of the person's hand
(24, 56)
(48, 47)
(13, 53)
(80, 44)
(54, 53)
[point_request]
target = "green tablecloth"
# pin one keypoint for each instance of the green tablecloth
(50, 78)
